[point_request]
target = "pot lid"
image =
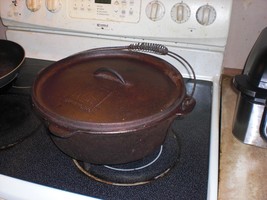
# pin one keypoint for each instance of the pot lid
(108, 87)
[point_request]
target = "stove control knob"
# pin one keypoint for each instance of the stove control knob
(155, 10)
(206, 15)
(53, 5)
(33, 5)
(180, 13)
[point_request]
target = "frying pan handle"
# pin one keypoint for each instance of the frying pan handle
(186, 106)
(110, 74)
(263, 125)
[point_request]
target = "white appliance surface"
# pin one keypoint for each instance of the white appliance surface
(54, 29)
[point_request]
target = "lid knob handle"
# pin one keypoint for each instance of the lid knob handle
(110, 74)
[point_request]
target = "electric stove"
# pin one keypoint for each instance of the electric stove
(32, 167)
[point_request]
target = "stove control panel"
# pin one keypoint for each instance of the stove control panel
(204, 22)
(107, 10)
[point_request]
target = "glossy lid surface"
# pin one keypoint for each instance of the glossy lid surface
(108, 87)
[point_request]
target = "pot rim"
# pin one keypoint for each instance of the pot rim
(109, 127)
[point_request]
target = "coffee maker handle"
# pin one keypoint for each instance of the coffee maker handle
(263, 125)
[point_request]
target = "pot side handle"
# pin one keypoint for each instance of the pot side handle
(186, 106)
(60, 132)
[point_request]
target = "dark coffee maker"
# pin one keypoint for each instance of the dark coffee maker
(250, 120)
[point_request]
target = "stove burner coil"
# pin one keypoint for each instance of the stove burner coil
(17, 120)
(137, 168)
(140, 172)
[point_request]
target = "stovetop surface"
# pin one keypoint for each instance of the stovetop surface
(37, 159)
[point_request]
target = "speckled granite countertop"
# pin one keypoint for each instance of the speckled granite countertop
(243, 168)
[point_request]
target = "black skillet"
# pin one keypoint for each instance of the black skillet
(12, 56)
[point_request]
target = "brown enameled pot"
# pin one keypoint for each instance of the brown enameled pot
(110, 106)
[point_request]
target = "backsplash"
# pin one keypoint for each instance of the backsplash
(248, 20)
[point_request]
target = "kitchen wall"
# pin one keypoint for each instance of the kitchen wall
(2, 31)
(249, 17)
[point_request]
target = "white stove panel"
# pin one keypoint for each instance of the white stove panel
(194, 29)
(203, 22)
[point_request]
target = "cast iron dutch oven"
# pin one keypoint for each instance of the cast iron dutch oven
(12, 56)
(110, 105)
